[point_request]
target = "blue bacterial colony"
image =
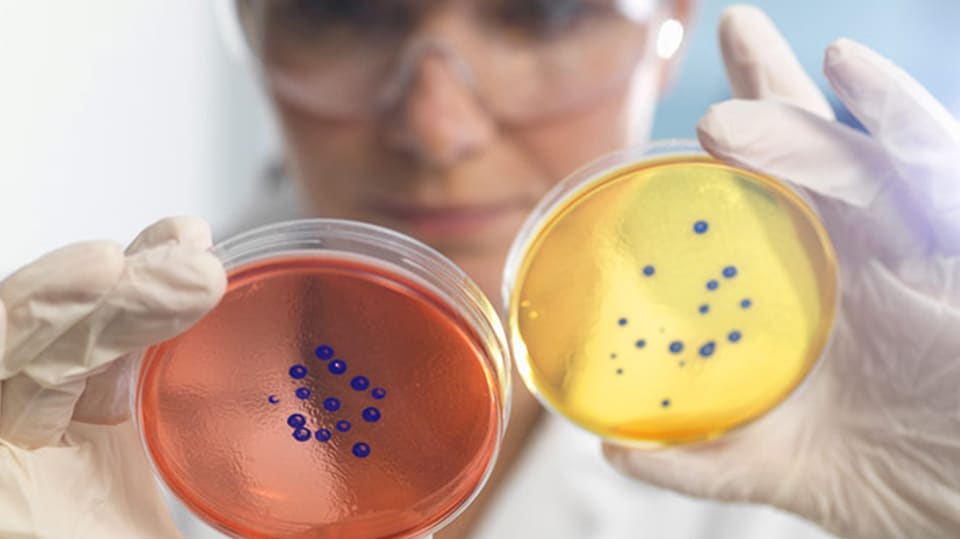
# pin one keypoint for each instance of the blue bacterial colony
(298, 422)
(676, 346)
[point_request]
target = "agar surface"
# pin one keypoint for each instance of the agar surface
(298, 422)
(676, 347)
(418, 407)
(706, 291)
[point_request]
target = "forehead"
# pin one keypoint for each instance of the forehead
(423, 5)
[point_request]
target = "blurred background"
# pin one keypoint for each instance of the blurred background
(116, 112)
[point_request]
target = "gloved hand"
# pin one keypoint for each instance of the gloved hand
(871, 447)
(71, 465)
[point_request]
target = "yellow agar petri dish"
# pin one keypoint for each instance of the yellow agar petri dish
(659, 296)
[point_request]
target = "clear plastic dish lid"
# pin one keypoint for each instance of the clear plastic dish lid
(351, 383)
(659, 296)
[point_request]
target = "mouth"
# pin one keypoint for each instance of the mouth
(452, 221)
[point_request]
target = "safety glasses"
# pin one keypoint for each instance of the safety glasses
(523, 59)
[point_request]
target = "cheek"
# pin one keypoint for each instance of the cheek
(323, 156)
(565, 144)
(333, 160)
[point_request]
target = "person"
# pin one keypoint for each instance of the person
(447, 121)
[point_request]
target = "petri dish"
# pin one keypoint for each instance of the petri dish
(659, 296)
(351, 383)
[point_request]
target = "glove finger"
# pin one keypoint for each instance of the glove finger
(183, 230)
(3, 339)
(796, 145)
(81, 307)
(752, 464)
(828, 159)
(161, 292)
(700, 471)
(761, 65)
(920, 136)
(44, 299)
(32, 415)
(53, 293)
(97, 485)
(191, 283)
(3, 326)
(106, 399)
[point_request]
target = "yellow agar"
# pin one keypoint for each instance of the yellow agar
(582, 300)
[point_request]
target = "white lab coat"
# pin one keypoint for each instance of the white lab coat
(561, 487)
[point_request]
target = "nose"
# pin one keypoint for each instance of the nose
(434, 114)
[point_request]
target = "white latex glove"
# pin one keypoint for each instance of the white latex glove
(71, 465)
(871, 447)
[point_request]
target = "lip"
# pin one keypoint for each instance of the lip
(448, 220)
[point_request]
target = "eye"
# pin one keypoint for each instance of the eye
(354, 16)
(343, 11)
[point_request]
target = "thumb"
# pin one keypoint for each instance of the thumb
(702, 471)
(106, 398)
(760, 463)
(761, 65)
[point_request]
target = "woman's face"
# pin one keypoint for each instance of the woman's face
(450, 160)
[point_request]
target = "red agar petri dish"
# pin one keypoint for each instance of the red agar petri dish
(351, 383)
